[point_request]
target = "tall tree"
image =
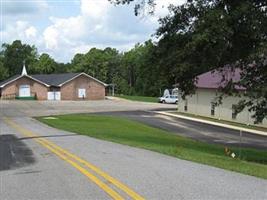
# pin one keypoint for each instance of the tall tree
(62, 67)
(202, 35)
(44, 65)
(217, 34)
(15, 54)
(98, 63)
(3, 70)
(141, 70)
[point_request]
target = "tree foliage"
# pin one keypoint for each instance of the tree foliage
(140, 5)
(196, 37)
(208, 34)
(15, 54)
(3, 70)
(134, 72)
(96, 62)
(44, 65)
(145, 75)
(203, 35)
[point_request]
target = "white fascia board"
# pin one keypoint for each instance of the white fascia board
(85, 75)
(1, 86)
(24, 76)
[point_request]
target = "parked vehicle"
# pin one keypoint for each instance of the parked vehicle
(169, 99)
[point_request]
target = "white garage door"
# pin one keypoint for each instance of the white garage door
(24, 91)
(54, 96)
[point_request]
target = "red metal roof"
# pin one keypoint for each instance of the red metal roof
(218, 78)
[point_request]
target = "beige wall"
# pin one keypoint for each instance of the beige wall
(200, 104)
(35, 87)
(94, 90)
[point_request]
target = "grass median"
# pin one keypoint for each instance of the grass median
(139, 98)
(120, 130)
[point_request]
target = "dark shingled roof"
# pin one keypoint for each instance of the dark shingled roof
(50, 79)
(54, 79)
(10, 79)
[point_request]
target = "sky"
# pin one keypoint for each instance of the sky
(63, 28)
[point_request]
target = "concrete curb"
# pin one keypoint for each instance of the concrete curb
(214, 123)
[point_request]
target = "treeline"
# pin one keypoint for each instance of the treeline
(195, 37)
(135, 72)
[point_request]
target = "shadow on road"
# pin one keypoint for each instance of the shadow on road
(46, 136)
(14, 153)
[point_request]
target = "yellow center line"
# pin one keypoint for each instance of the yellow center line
(98, 182)
(115, 182)
(62, 153)
(93, 178)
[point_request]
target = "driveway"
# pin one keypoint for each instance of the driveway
(40, 162)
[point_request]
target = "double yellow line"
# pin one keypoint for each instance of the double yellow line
(80, 164)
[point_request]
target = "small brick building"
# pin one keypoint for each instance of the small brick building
(68, 86)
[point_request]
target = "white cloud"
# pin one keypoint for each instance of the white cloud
(95, 8)
(51, 35)
(96, 24)
(99, 24)
(64, 31)
(20, 30)
(31, 32)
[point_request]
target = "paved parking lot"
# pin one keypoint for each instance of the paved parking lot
(42, 108)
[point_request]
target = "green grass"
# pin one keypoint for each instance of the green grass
(139, 98)
(120, 130)
(222, 121)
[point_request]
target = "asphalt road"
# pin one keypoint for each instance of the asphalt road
(196, 130)
(35, 163)
(42, 108)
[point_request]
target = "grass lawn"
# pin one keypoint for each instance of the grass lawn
(124, 131)
(139, 98)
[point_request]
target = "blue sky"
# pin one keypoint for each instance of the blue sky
(63, 28)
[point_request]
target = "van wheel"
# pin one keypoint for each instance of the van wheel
(176, 102)
(163, 101)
